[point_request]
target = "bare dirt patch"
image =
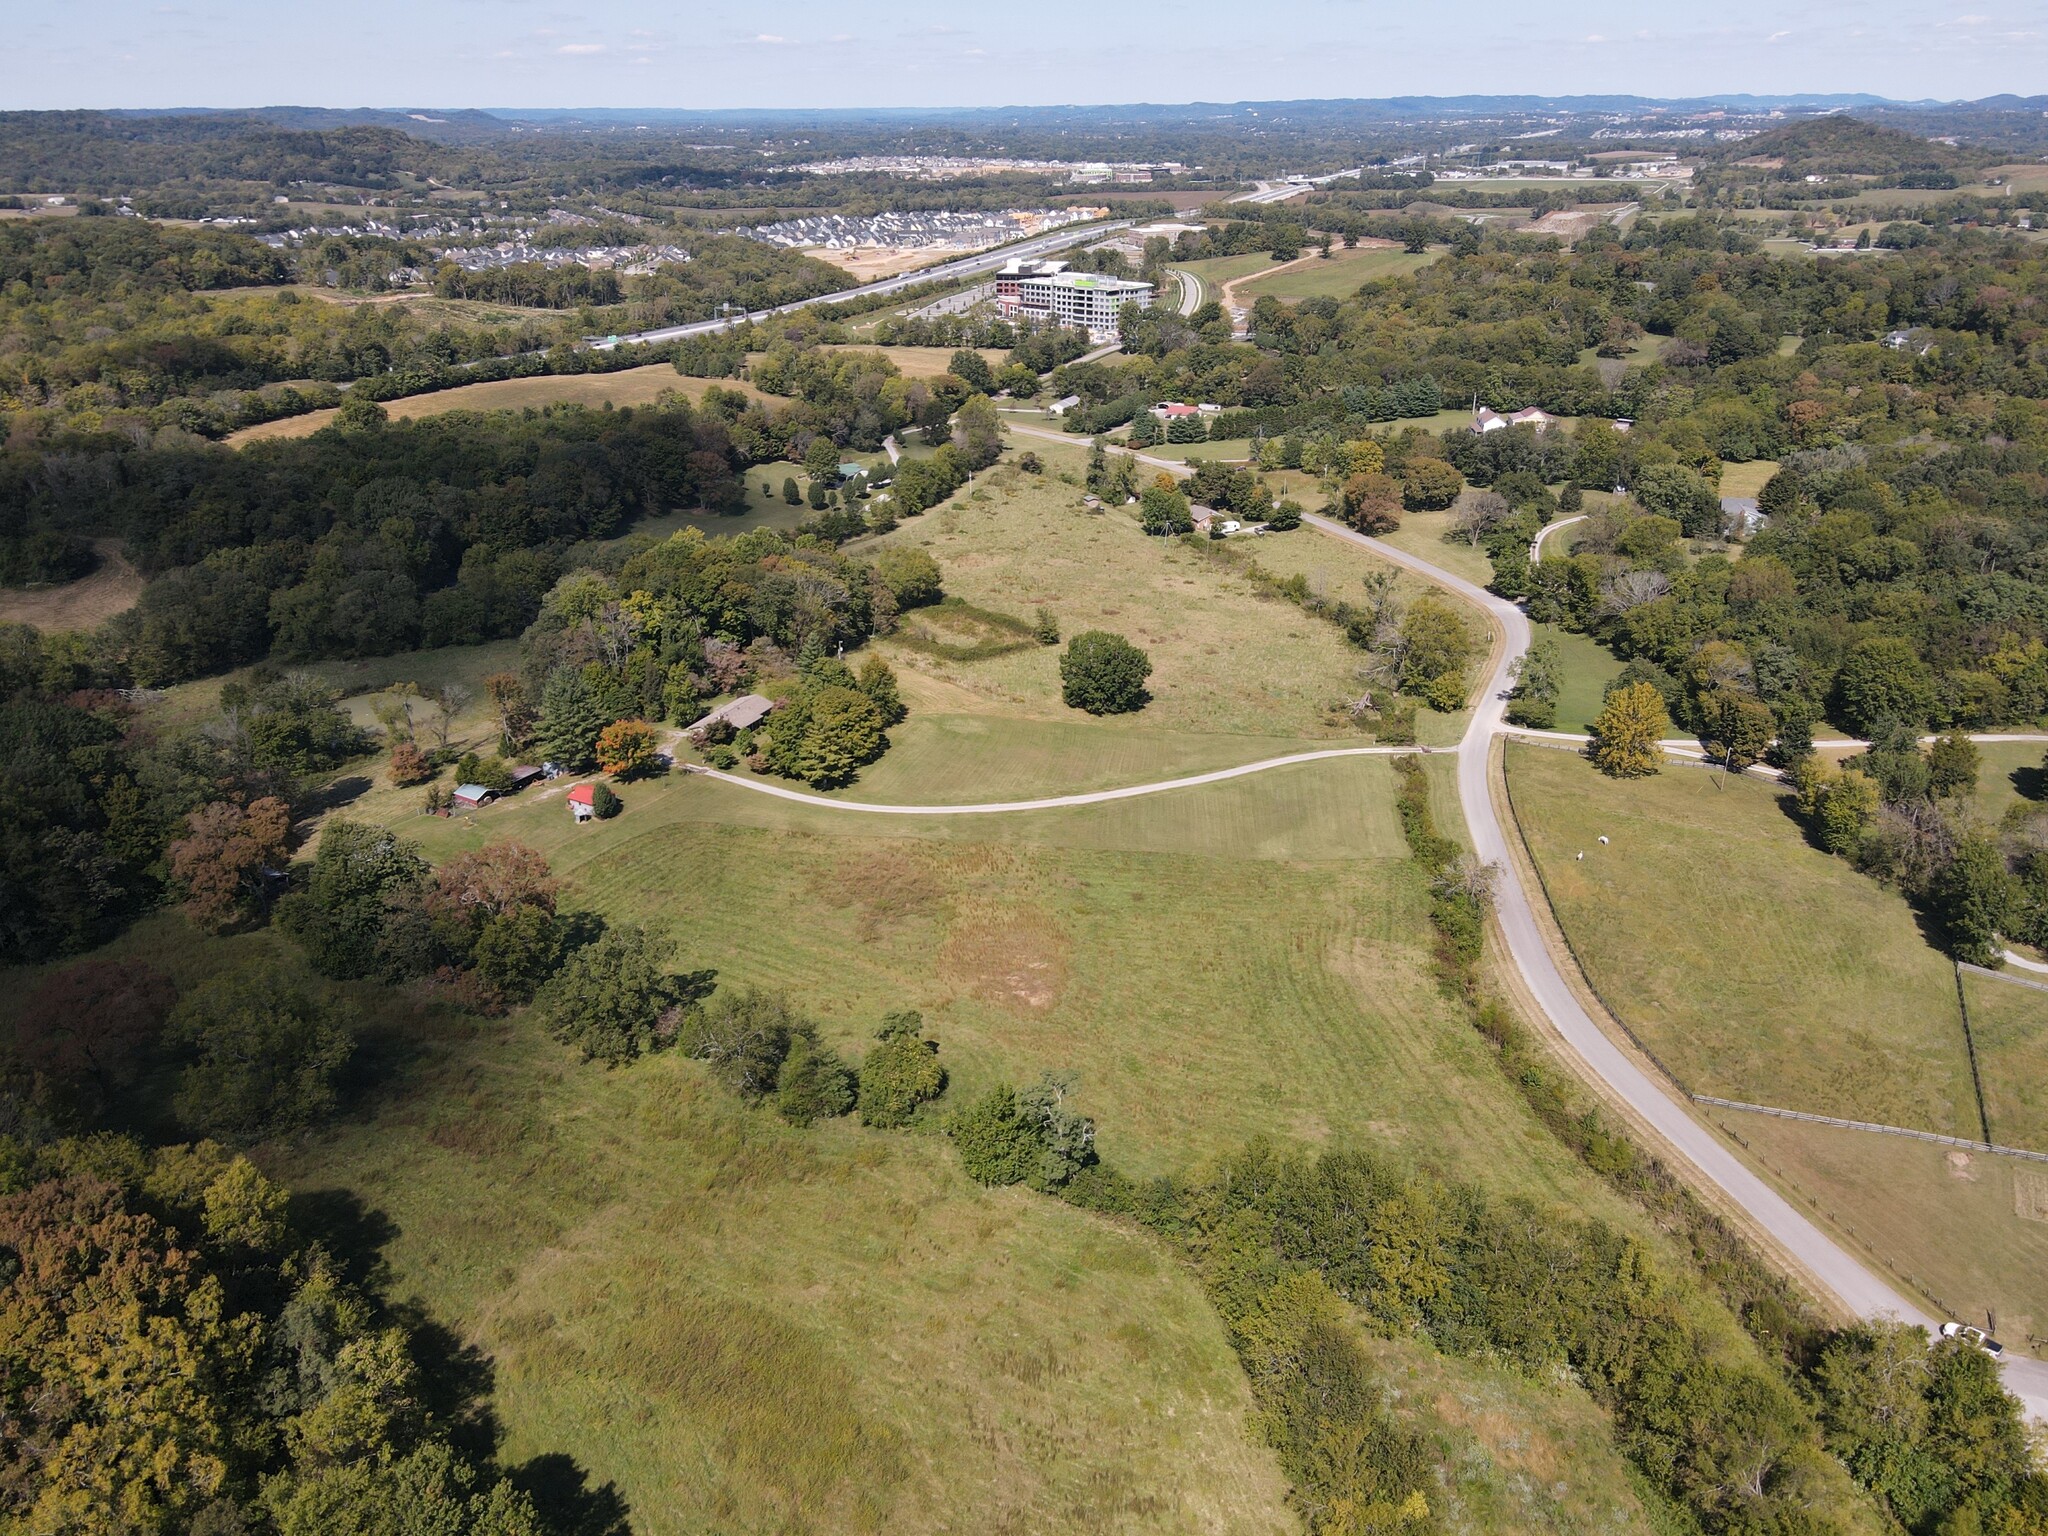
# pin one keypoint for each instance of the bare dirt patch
(85, 603)
(1960, 1166)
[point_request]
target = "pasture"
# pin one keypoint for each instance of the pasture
(1968, 1231)
(1754, 965)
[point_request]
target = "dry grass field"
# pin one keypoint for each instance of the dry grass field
(1967, 1230)
(629, 386)
(111, 588)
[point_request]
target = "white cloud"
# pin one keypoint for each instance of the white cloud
(576, 49)
(1776, 35)
(769, 37)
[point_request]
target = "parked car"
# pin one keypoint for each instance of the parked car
(1976, 1336)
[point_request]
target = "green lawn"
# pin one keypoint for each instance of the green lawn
(1588, 667)
(1338, 277)
(2008, 773)
(1757, 967)
(1215, 271)
(2009, 1024)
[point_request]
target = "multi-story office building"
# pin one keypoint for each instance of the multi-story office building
(1087, 300)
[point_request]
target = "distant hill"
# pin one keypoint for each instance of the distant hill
(1848, 146)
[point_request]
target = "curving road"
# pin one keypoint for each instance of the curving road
(1858, 1290)
(1054, 802)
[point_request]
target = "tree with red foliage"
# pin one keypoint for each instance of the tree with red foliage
(221, 863)
(89, 1025)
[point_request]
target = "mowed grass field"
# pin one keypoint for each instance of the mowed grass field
(1588, 667)
(2009, 1025)
(1968, 1230)
(629, 386)
(1338, 276)
(1756, 966)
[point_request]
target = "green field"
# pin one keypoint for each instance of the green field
(1422, 534)
(1339, 276)
(1757, 967)
(1966, 1230)
(1215, 271)
(1588, 667)
(2008, 773)
(752, 1329)
(2009, 1025)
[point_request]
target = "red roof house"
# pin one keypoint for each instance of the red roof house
(583, 801)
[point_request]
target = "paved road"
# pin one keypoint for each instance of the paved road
(1536, 544)
(1190, 290)
(1857, 1288)
(967, 266)
(1055, 802)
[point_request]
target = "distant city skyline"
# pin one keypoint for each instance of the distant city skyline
(512, 54)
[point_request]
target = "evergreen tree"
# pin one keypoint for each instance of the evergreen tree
(571, 718)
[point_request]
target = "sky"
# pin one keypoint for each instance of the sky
(855, 53)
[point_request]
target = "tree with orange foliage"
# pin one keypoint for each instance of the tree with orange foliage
(220, 863)
(625, 748)
(409, 765)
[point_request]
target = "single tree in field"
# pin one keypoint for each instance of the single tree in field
(1371, 502)
(878, 681)
(626, 748)
(220, 861)
(972, 369)
(1430, 485)
(1104, 673)
(611, 998)
(790, 493)
(1436, 651)
(1738, 726)
(409, 765)
(449, 700)
(900, 1071)
(570, 719)
(1533, 703)
(978, 432)
(1626, 733)
(1973, 897)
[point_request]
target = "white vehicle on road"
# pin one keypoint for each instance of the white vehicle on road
(1976, 1336)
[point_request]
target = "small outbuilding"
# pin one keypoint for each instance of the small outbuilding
(524, 775)
(583, 801)
(469, 796)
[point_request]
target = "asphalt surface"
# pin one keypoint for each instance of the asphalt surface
(967, 266)
(1860, 1291)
